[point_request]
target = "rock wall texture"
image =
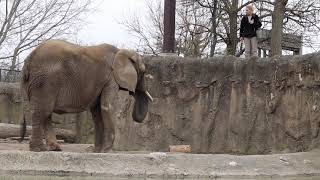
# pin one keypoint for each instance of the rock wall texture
(229, 105)
(10, 103)
(220, 105)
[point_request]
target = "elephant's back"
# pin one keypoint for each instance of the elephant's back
(58, 51)
(55, 50)
(52, 57)
(61, 58)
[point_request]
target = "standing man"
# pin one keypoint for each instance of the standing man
(250, 23)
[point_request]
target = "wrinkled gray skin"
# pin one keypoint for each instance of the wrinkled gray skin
(61, 77)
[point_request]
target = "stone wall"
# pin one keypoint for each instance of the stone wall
(221, 105)
(10, 103)
(229, 105)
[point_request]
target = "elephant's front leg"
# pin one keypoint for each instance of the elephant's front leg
(97, 119)
(107, 112)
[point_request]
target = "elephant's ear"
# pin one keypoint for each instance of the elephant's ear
(124, 69)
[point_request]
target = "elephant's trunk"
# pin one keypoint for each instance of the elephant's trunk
(142, 98)
(140, 108)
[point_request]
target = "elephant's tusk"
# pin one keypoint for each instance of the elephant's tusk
(149, 96)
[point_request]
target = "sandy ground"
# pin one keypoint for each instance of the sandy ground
(16, 162)
(79, 148)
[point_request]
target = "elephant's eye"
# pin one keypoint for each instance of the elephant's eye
(143, 68)
(141, 76)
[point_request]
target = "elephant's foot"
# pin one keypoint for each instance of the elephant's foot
(54, 147)
(90, 149)
(106, 149)
(37, 147)
(97, 149)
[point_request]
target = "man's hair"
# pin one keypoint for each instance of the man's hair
(250, 6)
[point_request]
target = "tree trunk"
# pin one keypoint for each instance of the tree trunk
(277, 27)
(12, 130)
(232, 37)
(14, 59)
(11, 74)
(213, 28)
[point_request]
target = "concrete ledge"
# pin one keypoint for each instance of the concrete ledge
(159, 165)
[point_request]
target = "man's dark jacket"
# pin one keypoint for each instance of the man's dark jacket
(249, 30)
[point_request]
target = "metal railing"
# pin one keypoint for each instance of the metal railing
(7, 75)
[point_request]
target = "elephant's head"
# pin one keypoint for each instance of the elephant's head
(128, 70)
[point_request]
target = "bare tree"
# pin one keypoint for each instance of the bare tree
(205, 27)
(298, 17)
(229, 15)
(277, 26)
(24, 24)
(192, 30)
(150, 34)
(212, 25)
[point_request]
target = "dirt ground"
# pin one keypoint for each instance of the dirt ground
(79, 148)
(76, 161)
(9, 144)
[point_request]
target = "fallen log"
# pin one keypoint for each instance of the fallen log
(180, 148)
(13, 130)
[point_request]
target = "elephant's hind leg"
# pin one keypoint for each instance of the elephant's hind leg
(38, 119)
(41, 108)
(51, 139)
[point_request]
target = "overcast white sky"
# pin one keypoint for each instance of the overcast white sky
(103, 25)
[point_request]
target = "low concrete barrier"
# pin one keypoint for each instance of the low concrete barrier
(159, 165)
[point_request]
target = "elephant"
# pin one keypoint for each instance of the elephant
(62, 77)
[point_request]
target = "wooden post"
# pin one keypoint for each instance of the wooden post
(169, 26)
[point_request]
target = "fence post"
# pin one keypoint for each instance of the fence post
(10, 75)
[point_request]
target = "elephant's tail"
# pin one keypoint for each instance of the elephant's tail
(23, 129)
(25, 78)
(25, 69)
